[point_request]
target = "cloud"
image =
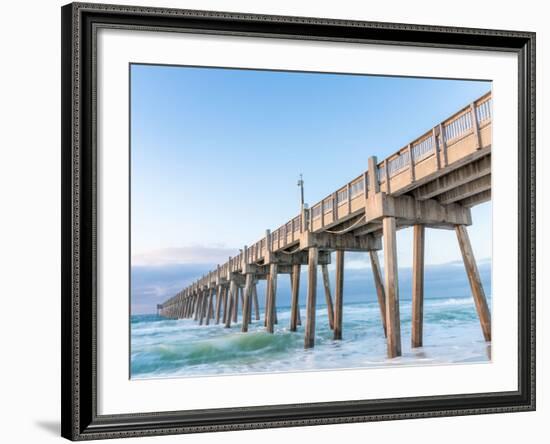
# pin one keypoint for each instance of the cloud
(152, 285)
(184, 255)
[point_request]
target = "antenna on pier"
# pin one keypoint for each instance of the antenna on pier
(301, 185)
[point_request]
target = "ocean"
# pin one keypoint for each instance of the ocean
(163, 348)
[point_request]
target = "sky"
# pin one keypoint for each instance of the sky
(216, 154)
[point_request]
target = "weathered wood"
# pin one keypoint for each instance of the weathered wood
(219, 292)
(231, 297)
(328, 296)
(443, 144)
(416, 211)
(379, 284)
(418, 286)
(331, 241)
(309, 339)
(209, 309)
(255, 299)
(484, 196)
(274, 297)
(198, 300)
(475, 125)
(435, 141)
(339, 294)
(475, 280)
(272, 293)
(393, 323)
(467, 190)
(294, 300)
(267, 300)
(374, 183)
(224, 303)
(387, 176)
(246, 302)
(412, 175)
(471, 171)
(236, 297)
(204, 305)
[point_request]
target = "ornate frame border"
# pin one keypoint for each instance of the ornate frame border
(80, 420)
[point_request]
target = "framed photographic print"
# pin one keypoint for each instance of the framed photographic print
(280, 221)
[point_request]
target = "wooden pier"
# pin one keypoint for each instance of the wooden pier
(432, 182)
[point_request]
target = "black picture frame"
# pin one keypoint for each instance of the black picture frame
(78, 333)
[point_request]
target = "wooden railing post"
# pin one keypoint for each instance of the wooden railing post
(374, 183)
(475, 125)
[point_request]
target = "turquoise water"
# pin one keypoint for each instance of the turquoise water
(163, 348)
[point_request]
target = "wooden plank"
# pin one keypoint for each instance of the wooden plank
(339, 294)
(418, 285)
(328, 297)
(475, 280)
(309, 338)
(393, 322)
(379, 284)
(295, 296)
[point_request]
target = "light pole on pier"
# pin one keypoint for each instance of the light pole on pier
(301, 185)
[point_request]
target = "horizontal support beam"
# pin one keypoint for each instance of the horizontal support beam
(467, 190)
(484, 196)
(409, 209)
(349, 242)
(297, 258)
(456, 178)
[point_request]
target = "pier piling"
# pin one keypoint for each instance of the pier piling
(294, 302)
(339, 294)
(328, 297)
(475, 281)
(393, 323)
(417, 286)
(313, 256)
